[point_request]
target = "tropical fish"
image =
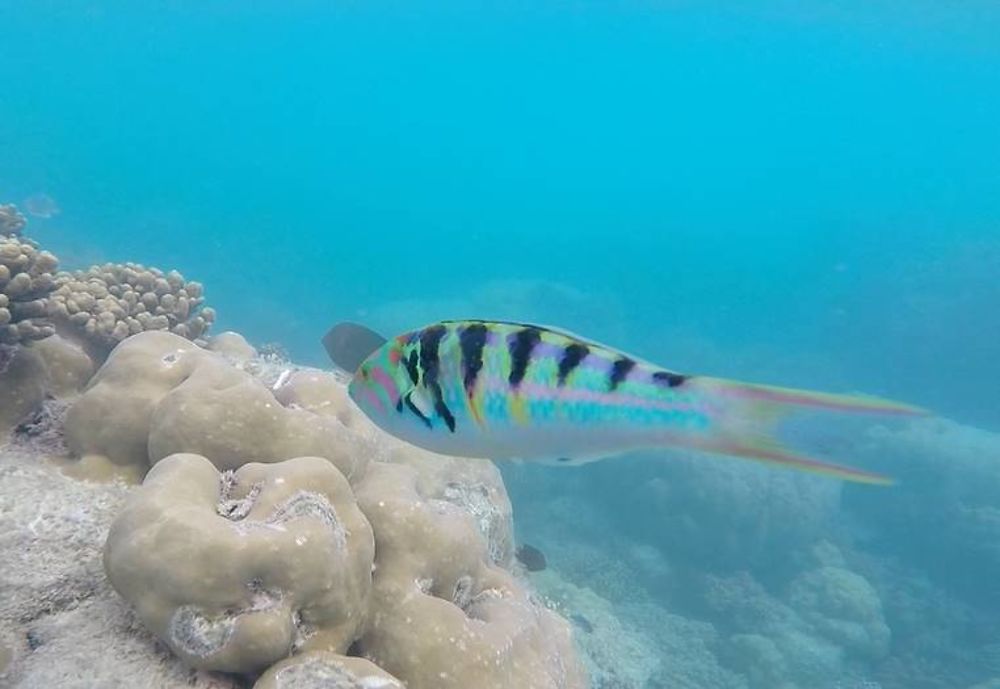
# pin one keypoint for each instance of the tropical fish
(503, 390)
(531, 557)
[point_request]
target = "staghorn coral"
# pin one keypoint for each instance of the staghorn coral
(103, 305)
(324, 670)
(12, 222)
(26, 280)
(234, 571)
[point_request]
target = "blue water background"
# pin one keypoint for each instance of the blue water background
(797, 193)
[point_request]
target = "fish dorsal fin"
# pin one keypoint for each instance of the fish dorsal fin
(349, 344)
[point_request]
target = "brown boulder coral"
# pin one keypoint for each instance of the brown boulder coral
(234, 571)
(237, 570)
(168, 395)
(27, 277)
(443, 617)
(323, 670)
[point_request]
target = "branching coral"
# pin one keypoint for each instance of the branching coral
(26, 280)
(12, 222)
(103, 305)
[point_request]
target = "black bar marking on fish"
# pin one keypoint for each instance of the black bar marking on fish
(472, 340)
(413, 408)
(399, 405)
(441, 408)
(668, 378)
(430, 339)
(619, 371)
(411, 366)
(520, 345)
(572, 356)
(430, 364)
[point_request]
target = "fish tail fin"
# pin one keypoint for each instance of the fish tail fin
(745, 417)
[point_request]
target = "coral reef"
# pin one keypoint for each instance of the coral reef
(273, 520)
(61, 624)
(233, 346)
(279, 535)
(477, 625)
(234, 571)
(103, 305)
(843, 607)
(325, 670)
(170, 395)
(724, 514)
(26, 281)
(90, 310)
(23, 381)
(12, 222)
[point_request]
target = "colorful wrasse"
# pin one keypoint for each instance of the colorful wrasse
(509, 390)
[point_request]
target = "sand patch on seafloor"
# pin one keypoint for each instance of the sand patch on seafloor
(61, 624)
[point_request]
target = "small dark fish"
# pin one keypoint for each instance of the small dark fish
(34, 639)
(349, 344)
(582, 622)
(531, 557)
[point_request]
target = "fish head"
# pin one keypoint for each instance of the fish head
(385, 389)
(376, 386)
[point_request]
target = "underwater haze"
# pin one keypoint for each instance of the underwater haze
(795, 193)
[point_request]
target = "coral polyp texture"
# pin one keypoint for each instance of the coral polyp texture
(236, 570)
(105, 304)
(27, 278)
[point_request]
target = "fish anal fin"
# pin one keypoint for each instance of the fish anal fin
(764, 449)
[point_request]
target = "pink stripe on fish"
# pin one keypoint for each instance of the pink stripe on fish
(368, 394)
(386, 382)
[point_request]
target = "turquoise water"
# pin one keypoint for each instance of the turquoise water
(796, 193)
